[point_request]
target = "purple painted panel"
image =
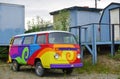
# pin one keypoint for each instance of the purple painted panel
(66, 65)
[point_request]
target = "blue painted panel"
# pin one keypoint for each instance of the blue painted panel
(86, 17)
(11, 21)
(79, 18)
(8, 33)
(73, 21)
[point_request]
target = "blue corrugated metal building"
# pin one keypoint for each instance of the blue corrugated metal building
(11, 21)
(110, 15)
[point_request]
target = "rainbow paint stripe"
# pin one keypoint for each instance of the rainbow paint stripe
(26, 54)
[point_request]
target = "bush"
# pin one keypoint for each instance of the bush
(4, 53)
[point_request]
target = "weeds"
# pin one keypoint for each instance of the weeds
(116, 57)
(90, 68)
(118, 77)
(104, 65)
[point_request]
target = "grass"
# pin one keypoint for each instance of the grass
(90, 68)
(105, 65)
(116, 57)
(118, 77)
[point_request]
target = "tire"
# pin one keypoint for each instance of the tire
(15, 66)
(67, 71)
(39, 69)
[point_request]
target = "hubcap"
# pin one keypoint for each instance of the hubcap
(39, 70)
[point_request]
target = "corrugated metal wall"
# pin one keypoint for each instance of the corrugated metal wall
(84, 17)
(11, 21)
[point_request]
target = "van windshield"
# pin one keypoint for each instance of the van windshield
(62, 38)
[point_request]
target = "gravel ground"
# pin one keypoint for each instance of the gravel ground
(28, 73)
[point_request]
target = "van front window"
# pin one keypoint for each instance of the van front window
(62, 38)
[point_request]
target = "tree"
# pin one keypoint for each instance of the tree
(37, 24)
(61, 20)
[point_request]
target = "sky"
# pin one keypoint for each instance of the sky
(42, 8)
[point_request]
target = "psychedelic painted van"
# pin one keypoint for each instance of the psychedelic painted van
(45, 50)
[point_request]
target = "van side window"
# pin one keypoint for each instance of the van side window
(28, 40)
(17, 41)
(41, 39)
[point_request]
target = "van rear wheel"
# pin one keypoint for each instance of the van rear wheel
(15, 66)
(39, 69)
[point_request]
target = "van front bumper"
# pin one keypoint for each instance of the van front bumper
(66, 65)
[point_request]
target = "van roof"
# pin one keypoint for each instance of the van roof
(42, 32)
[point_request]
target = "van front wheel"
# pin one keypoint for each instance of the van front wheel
(15, 66)
(39, 69)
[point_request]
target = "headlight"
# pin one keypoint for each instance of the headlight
(78, 56)
(56, 56)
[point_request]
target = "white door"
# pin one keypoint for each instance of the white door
(115, 19)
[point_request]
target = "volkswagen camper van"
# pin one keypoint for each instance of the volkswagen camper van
(45, 50)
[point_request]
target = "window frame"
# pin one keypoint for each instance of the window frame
(76, 42)
(26, 37)
(13, 40)
(46, 41)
